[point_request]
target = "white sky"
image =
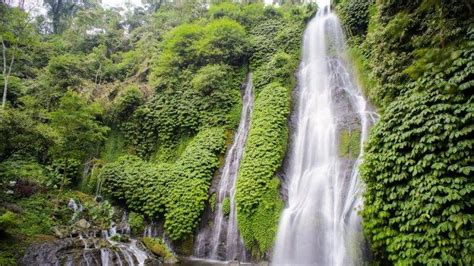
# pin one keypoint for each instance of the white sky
(120, 3)
(36, 6)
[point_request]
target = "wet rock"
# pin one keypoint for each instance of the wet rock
(50, 253)
(172, 260)
(82, 223)
(85, 251)
(58, 232)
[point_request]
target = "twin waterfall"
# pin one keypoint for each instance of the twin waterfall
(223, 241)
(320, 225)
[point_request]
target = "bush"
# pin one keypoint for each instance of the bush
(210, 78)
(193, 175)
(26, 170)
(127, 103)
(225, 41)
(417, 166)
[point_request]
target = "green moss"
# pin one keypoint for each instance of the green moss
(185, 247)
(39, 214)
(349, 143)
(226, 206)
(158, 247)
(361, 68)
(213, 201)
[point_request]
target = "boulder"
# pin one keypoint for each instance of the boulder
(83, 224)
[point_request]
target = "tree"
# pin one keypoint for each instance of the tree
(80, 133)
(76, 123)
(16, 35)
(20, 133)
(59, 10)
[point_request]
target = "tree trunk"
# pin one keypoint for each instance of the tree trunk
(6, 73)
(62, 185)
(57, 16)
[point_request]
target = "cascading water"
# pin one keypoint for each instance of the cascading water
(320, 225)
(225, 241)
(92, 247)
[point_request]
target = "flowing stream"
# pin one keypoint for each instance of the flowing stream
(222, 241)
(320, 225)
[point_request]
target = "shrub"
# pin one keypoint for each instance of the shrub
(355, 15)
(224, 40)
(127, 103)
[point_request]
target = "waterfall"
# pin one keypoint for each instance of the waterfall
(225, 241)
(320, 224)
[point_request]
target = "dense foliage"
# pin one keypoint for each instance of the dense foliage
(176, 192)
(415, 60)
(138, 106)
(258, 201)
(85, 109)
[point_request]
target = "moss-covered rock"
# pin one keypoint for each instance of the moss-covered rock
(349, 143)
(159, 248)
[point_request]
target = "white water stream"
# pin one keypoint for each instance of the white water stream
(320, 225)
(223, 241)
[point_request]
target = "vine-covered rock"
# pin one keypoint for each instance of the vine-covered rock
(258, 202)
(417, 172)
(177, 192)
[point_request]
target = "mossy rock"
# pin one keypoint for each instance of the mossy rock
(159, 248)
(226, 206)
(349, 143)
(212, 201)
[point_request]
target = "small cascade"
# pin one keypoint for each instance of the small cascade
(98, 189)
(320, 225)
(92, 247)
(222, 241)
(76, 208)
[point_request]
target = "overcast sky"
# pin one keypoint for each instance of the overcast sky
(120, 3)
(36, 6)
